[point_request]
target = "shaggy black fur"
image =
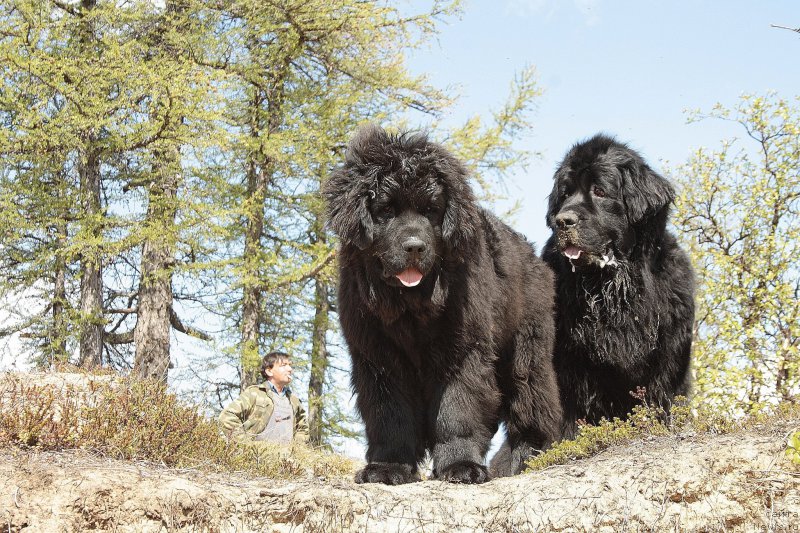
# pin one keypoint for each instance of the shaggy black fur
(447, 312)
(625, 289)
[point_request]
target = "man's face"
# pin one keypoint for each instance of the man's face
(281, 373)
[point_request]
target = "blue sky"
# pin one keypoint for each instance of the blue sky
(629, 68)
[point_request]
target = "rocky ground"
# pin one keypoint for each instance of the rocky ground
(734, 482)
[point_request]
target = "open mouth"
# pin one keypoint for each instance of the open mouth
(410, 277)
(572, 252)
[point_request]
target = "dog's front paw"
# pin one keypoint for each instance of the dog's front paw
(463, 472)
(387, 473)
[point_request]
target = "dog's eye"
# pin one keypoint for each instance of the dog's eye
(597, 191)
(386, 211)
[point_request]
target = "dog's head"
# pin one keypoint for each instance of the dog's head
(402, 200)
(605, 198)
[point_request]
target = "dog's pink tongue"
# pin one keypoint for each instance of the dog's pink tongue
(410, 277)
(573, 252)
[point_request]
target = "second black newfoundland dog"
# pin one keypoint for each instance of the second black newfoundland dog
(625, 289)
(447, 313)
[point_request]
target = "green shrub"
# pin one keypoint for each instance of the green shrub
(647, 421)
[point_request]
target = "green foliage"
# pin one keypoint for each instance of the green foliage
(93, 97)
(590, 440)
(793, 448)
(738, 213)
(488, 148)
(139, 420)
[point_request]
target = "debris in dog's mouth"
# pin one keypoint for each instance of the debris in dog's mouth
(410, 277)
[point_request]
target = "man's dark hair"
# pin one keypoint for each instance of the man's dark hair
(270, 359)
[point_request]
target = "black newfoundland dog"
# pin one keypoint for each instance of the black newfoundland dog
(447, 312)
(625, 289)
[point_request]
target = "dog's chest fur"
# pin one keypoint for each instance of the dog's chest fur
(611, 321)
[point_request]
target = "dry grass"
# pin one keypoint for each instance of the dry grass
(135, 420)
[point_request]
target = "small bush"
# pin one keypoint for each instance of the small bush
(647, 421)
(136, 420)
(591, 440)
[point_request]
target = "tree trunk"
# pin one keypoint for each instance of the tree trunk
(252, 306)
(91, 337)
(252, 314)
(91, 304)
(58, 337)
(155, 315)
(258, 176)
(152, 332)
(319, 362)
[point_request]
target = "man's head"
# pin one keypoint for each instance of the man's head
(276, 367)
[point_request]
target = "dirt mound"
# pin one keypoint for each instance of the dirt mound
(735, 482)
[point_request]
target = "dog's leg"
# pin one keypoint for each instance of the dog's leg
(534, 417)
(464, 416)
(393, 426)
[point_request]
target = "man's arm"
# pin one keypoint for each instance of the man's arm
(233, 417)
(300, 425)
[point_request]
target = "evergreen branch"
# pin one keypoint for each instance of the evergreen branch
(27, 323)
(188, 330)
(308, 275)
(118, 338)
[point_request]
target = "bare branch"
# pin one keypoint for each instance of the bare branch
(796, 30)
(128, 311)
(66, 7)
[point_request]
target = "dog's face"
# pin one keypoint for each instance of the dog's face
(403, 202)
(407, 226)
(604, 193)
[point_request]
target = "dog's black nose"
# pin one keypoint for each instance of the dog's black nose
(414, 246)
(566, 219)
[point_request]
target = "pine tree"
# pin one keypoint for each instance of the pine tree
(98, 106)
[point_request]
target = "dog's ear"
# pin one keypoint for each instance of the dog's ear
(347, 201)
(351, 187)
(645, 192)
(460, 223)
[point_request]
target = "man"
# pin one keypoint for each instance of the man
(269, 411)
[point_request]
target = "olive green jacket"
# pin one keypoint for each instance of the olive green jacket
(247, 416)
